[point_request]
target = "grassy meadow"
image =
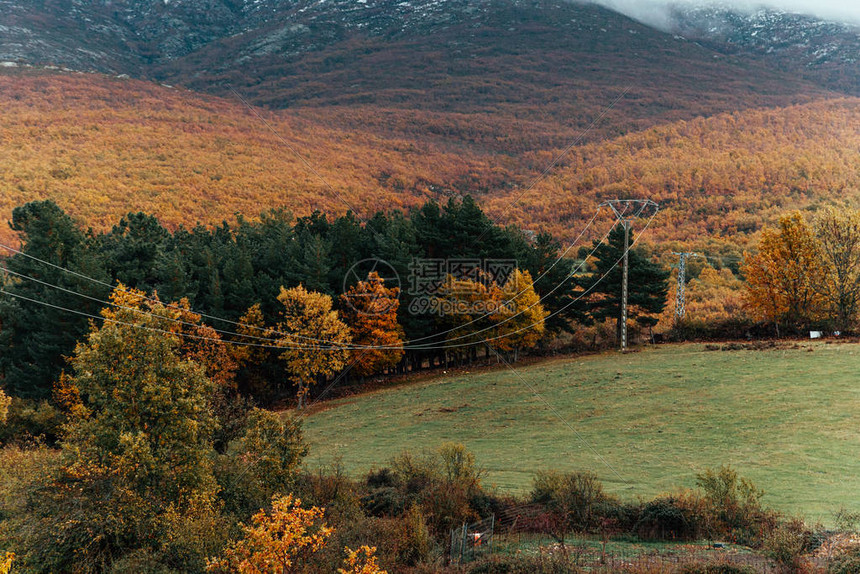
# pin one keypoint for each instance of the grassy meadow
(644, 422)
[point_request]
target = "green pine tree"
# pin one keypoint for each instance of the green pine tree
(647, 283)
(35, 338)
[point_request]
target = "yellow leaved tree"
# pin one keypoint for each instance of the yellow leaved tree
(278, 541)
(464, 307)
(781, 276)
(519, 314)
(315, 340)
(200, 343)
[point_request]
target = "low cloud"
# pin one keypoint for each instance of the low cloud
(657, 12)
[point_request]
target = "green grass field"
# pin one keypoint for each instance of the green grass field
(788, 418)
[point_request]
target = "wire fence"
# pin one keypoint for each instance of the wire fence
(473, 540)
(497, 535)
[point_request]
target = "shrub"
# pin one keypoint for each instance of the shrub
(623, 515)
(383, 502)
(191, 533)
(445, 483)
(274, 446)
(28, 421)
(459, 468)
(445, 507)
(331, 488)
(848, 563)
(22, 471)
(576, 500)
(715, 568)
(232, 411)
(264, 462)
(353, 532)
(380, 478)
(668, 518)
(733, 506)
(786, 544)
(846, 520)
(416, 544)
(287, 536)
(415, 473)
(143, 561)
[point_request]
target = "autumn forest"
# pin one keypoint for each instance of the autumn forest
(271, 274)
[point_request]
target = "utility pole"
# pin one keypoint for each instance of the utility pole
(680, 300)
(626, 210)
(626, 224)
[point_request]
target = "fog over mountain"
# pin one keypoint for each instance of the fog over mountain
(657, 12)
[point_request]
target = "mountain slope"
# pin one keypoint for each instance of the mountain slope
(102, 147)
(717, 179)
(825, 52)
(508, 75)
(525, 74)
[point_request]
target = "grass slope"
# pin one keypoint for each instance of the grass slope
(785, 418)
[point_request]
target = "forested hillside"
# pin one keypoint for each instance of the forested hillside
(511, 76)
(215, 210)
(721, 177)
(103, 147)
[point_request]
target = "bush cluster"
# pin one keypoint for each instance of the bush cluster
(405, 510)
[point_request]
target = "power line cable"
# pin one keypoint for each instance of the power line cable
(278, 344)
(153, 299)
(266, 330)
(329, 347)
(535, 280)
(514, 316)
(557, 311)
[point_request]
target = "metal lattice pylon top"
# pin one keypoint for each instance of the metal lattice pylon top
(627, 209)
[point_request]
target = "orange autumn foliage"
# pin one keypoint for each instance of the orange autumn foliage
(369, 308)
(277, 541)
(781, 276)
(361, 561)
(101, 147)
(715, 296)
(199, 342)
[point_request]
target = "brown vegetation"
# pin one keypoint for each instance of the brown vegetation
(102, 147)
